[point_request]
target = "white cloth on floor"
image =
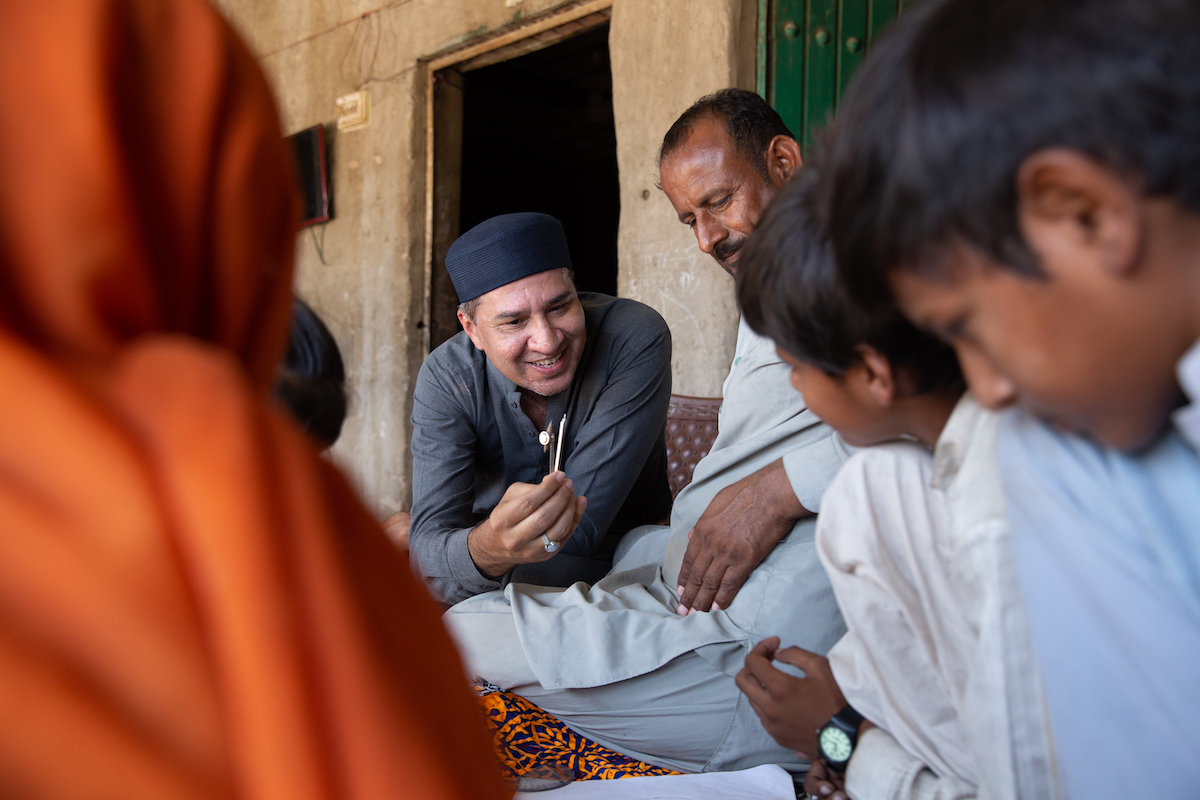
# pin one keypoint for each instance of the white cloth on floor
(938, 652)
(767, 782)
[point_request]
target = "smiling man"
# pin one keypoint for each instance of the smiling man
(487, 507)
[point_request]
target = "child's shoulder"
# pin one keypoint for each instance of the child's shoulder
(900, 465)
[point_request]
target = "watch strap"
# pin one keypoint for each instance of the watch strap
(850, 717)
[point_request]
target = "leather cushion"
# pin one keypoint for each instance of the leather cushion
(691, 430)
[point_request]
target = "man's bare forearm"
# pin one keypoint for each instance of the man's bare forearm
(775, 490)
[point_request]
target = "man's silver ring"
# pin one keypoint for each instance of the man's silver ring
(550, 545)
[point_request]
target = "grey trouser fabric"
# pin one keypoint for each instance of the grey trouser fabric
(683, 713)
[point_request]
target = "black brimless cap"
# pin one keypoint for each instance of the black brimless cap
(504, 249)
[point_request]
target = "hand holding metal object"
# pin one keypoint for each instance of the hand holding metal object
(551, 545)
(531, 523)
(562, 430)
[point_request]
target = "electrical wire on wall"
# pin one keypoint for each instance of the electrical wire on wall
(371, 34)
(374, 32)
(319, 244)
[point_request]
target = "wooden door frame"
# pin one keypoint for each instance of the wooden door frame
(538, 32)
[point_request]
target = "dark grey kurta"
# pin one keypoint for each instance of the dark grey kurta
(471, 441)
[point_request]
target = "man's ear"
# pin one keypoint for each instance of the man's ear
(470, 327)
(881, 381)
(783, 159)
(1069, 204)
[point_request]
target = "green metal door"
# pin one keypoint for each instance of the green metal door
(808, 49)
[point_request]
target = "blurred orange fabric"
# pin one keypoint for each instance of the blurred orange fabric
(192, 603)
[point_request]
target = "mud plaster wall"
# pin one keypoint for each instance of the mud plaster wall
(665, 54)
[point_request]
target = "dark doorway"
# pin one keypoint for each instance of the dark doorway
(538, 135)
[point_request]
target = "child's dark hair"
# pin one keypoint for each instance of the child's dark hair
(789, 290)
(930, 135)
(312, 380)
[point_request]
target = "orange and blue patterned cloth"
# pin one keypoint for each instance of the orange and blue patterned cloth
(530, 742)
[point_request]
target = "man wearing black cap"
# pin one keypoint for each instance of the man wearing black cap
(541, 375)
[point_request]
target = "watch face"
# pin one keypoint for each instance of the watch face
(835, 744)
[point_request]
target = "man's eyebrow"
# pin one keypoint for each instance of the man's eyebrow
(524, 312)
(707, 200)
(720, 191)
(513, 314)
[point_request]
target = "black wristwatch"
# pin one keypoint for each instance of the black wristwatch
(838, 737)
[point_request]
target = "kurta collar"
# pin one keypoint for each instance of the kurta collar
(1187, 419)
(554, 409)
(952, 445)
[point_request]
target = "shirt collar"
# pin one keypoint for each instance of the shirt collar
(1187, 419)
(952, 445)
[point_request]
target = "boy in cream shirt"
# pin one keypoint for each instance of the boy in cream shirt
(933, 691)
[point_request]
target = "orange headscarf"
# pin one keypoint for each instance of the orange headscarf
(192, 603)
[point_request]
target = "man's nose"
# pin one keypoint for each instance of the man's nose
(991, 388)
(709, 234)
(543, 336)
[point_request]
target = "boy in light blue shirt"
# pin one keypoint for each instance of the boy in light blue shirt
(1106, 547)
(1023, 178)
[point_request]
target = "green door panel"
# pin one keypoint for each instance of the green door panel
(809, 50)
(786, 57)
(853, 39)
(881, 12)
(819, 87)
